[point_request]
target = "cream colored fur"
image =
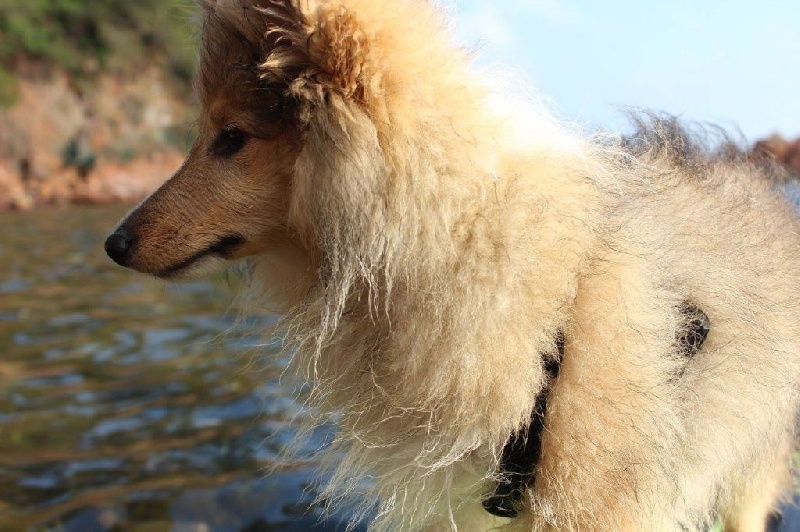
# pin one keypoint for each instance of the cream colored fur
(433, 247)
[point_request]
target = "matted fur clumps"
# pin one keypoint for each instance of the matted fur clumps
(428, 246)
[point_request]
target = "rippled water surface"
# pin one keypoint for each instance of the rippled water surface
(127, 404)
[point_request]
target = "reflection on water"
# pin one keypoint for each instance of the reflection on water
(127, 404)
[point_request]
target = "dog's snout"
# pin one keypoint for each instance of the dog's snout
(118, 246)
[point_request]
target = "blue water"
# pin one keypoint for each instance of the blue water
(126, 404)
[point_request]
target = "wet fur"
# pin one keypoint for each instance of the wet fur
(427, 245)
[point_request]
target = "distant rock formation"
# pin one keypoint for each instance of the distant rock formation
(109, 182)
(63, 143)
(786, 152)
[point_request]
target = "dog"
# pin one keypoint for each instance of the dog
(512, 325)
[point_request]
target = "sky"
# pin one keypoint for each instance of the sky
(735, 63)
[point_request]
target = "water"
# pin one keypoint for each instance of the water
(128, 404)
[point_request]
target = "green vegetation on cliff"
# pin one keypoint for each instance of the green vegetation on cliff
(86, 37)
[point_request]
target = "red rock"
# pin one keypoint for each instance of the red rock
(784, 151)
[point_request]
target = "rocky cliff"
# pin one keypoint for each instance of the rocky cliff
(113, 142)
(95, 98)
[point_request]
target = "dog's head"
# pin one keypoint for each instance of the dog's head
(231, 197)
(297, 98)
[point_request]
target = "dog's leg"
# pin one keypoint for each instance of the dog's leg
(472, 518)
(756, 503)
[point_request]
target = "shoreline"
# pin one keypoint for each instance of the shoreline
(110, 182)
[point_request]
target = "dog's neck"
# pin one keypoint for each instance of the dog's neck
(433, 294)
(425, 266)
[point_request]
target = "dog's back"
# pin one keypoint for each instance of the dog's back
(640, 434)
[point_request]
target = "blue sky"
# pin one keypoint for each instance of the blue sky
(735, 62)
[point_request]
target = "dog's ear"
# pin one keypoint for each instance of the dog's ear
(234, 24)
(316, 50)
(339, 46)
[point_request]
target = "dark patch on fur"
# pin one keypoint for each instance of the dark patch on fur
(694, 329)
(523, 449)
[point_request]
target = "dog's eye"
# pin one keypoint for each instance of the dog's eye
(229, 142)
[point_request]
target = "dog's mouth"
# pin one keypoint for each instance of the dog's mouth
(223, 248)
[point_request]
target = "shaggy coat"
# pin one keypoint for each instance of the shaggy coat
(428, 243)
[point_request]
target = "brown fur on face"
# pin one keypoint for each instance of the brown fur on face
(223, 205)
(435, 240)
(208, 202)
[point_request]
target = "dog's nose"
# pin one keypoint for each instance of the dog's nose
(118, 246)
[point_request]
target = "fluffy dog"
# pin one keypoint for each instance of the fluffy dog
(465, 282)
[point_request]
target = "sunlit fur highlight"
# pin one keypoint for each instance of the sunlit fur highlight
(433, 244)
